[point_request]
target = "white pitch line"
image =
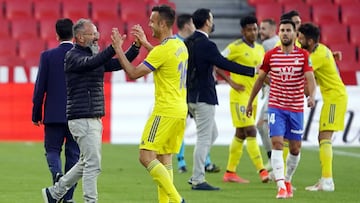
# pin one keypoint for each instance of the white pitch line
(343, 153)
(337, 152)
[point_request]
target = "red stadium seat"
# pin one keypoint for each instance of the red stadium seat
(8, 47)
(4, 29)
(350, 14)
(150, 4)
(146, 28)
(131, 10)
(24, 28)
(333, 34)
(18, 9)
(269, 10)
(47, 9)
(325, 13)
(347, 70)
(31, 48)
(344, 2)
(75, 9)
(104, 9)
(303, 9)
(257, 2)
(47, 29)
(317, 2)
(105, 27)
(355, 35)
(348, 51)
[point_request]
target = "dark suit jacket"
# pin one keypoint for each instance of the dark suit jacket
(206, 55)
(50, 84)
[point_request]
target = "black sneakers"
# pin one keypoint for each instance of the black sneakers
(204, 186)
(47, 196)
(212, 168)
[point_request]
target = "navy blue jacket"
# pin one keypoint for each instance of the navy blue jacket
(206, 55)
(50, 81)
(84, 75)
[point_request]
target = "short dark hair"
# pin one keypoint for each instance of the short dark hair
(270, 21)
(183, 19)
(289, 15)
(200, 16)
(166, 13)
(64, 28)
(310, 31)
(247, 20)
(286, 21)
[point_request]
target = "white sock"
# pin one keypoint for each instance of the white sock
(292, 162)
(277, 163)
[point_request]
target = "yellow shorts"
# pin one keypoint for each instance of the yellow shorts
(163, 134)
(238, 115)
(333, 115)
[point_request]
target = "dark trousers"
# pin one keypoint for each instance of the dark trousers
(57, 135)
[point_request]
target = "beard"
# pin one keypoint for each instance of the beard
(94, 48)
(287, 42)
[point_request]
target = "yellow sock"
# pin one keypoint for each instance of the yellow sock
(326, 156)
(161, 176)
(235, 153)
(285, 152)
(254, 153)
(162, 196)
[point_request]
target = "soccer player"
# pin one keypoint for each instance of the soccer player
(288, 67)
(186, 27)
(248, 52)
(334, 95)
(268, 38)
(165, 127)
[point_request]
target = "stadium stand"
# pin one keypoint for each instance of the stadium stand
(18, 9)
(303, 8)
(10, 50)
(333, 33)
(47, 10)
(350, 14)
(268, 10)
(40, 17)
(104, 10)
(325, 13)
(75, 9)
(24, 28)
(355, 35)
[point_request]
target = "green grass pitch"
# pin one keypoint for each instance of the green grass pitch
(24, 172)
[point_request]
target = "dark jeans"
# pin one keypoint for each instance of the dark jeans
(57, 135)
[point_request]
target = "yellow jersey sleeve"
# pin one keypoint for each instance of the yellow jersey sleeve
(326, 73)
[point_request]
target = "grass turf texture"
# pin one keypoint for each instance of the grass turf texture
(123, 180)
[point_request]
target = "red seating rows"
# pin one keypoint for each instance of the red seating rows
(338, 22)
(28, 26)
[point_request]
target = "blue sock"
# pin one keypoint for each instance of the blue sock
(181, 156)
(208, 160)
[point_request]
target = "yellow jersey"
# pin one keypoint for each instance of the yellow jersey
(169, 61)
(326, 74)
(242, 53)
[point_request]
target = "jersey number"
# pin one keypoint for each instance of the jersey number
(271, 118)
(182, 68)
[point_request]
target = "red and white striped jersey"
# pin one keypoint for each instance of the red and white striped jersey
(287, 77)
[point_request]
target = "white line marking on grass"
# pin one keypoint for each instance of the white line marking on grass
(351, 154)
(337, 152)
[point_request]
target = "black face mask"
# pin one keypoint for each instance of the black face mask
(213, 28)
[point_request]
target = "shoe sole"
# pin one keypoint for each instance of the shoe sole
(235, 181)
(43, 192)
